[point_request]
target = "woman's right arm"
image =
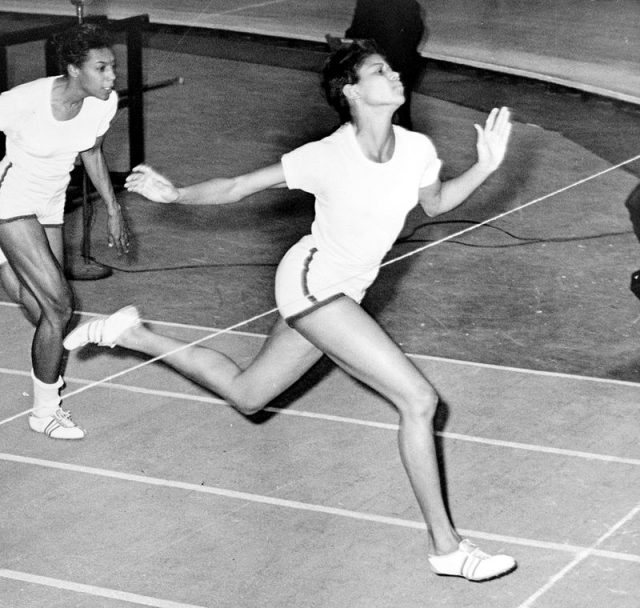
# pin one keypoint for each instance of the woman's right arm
(217, 191)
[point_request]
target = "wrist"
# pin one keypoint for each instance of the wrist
(179, 195)
(485, 169)
(113, 208)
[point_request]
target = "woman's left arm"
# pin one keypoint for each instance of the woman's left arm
(96, 167)
(491, 146)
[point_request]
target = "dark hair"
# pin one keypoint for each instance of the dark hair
(341, 68)
(73, 45)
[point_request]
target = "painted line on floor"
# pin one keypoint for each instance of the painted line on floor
(530, 447)
(511, 369)
(303, 506)
(112, 594)
(579, 558)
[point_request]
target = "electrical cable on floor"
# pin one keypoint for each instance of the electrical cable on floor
(524, 241)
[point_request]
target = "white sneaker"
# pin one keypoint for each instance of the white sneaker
(104, 331)
(471, 563)
(57, 426)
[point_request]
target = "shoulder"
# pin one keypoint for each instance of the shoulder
(326, 145)
(413, 140)
(22, 101)
(101, 108)
(31, 89)
(103, 105)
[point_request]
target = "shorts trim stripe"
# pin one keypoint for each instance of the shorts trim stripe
(4, 173)
(305, 274)
(318, 304)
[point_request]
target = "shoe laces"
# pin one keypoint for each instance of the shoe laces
(474, 550)
(63, 418)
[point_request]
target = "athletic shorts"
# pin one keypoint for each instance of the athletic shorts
(306, 281)
(23, 198)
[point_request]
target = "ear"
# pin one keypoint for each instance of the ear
(72, 70)
(350, 91)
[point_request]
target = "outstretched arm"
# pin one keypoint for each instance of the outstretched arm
(218, 191)
(491, 147)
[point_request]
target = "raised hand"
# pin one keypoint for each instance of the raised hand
(493, 138)
(152, 185)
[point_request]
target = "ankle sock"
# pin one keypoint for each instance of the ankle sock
(46, 397)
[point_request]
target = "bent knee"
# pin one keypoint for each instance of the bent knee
(421, 403)
(247, 400)
(249, 407)
(58, 308)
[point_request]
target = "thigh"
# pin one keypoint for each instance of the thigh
(355, 341)
(284, 358)
(34, 255)
(56, 242)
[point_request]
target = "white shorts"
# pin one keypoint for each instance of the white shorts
(21, 198)
(306, 281)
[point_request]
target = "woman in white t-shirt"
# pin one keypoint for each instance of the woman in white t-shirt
(47, 123)
(365, 178)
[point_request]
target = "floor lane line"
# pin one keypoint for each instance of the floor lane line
(579, 558)
(114, 594)
(302, 506)
(594, 456)
(435, 358)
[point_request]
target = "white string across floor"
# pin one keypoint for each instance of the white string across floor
(387, 263)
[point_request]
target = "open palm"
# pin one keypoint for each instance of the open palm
(493, 138)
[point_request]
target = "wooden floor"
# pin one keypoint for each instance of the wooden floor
(590, 45)
(530, 336)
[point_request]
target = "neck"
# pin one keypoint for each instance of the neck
(375, 136)
(69, 93)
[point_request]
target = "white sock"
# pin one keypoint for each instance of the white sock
(46, 397)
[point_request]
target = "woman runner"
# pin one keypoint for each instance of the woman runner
(366, 177)
(47, 122)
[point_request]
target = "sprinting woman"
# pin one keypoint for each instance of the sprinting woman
(47, 122)
(366, 177)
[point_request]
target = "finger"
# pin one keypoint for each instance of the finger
(491, 119)
(503, 119)
(141, 168)
(134, 183)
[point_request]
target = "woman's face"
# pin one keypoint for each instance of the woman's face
(96, 76)
(378, 84)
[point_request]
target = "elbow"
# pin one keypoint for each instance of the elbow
(234, 190)
(430, 208)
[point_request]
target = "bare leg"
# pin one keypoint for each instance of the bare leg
(283, 359)
(348, 335)
(356, 343)
(35, 277)
(17, 291)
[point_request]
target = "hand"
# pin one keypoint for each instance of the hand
(493, 138)
(150, 184)
(118, 231)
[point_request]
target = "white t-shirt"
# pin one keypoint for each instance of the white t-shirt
(361, 205)
(40, 149)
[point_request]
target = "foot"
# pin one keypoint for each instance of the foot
(57, 426)
(104, 331)
(471, 563)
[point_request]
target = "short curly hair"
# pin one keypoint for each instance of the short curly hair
(72, 46)
(341, 69)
